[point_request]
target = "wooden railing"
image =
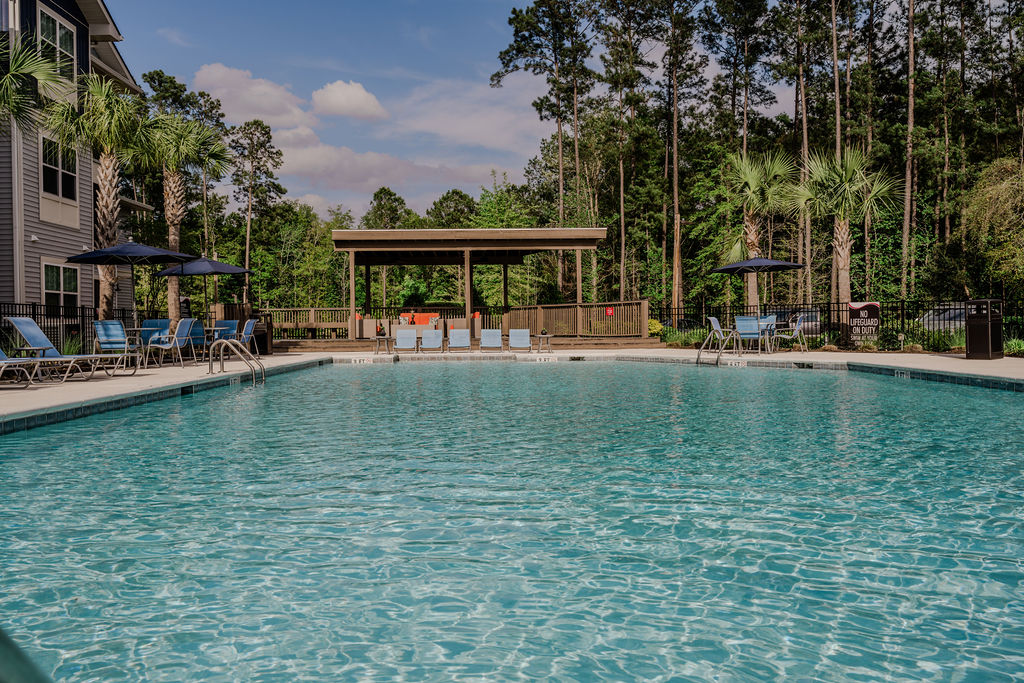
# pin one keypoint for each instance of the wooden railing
(617, 319)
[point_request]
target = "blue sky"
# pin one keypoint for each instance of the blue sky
(359, 93)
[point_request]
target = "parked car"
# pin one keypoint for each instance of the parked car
(812, 318)
(682, 324)
(944, 318)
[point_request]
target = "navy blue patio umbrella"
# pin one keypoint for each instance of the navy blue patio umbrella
(204, 267)
(758, 265)
(131, 254)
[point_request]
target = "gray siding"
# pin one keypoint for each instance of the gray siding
(6, 220)
(55, 242)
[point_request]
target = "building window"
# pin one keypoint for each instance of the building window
(57, 42)
(60, 168)
(60, 287)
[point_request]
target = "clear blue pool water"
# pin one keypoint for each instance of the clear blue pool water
(495, 521)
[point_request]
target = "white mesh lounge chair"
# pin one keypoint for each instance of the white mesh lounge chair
(432, 340)
(405, 340)
(490, 340)
(718, 339)
(519, 340)
(459, 340)
(796, 335)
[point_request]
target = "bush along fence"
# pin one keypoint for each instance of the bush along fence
(936, 326)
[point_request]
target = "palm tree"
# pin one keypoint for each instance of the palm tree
(764, 185)
(182, 145)
(844, 189)
(24, 75)
(114, 123)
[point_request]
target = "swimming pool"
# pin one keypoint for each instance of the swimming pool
(496, 520)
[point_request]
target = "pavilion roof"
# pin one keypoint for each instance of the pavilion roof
(447, 247)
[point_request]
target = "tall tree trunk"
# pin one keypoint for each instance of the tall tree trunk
(842, 249)
(677, 277)
(908, 171)
(835, 80)
(248, 236)
(108, 208)
(962, 181)
(561, 181)
(665, 296)
(622, 208)
(746, 92)
(848, 116)
(751, 239)
(579, 196)
(805, 153)
(945, 132)
(174, 213)
(870, 142)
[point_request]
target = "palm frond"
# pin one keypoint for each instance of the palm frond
(26, 80)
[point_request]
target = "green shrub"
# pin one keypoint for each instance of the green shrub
(654, 328)
(72, 345)
(1013, 347)
(675, 339)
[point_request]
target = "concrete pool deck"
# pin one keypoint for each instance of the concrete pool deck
(43, 404)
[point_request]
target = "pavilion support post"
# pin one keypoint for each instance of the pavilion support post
(366, 293)
(504, 285)
(469, 290)
(351, 294)
(579, 276)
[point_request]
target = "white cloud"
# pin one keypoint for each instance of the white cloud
(244, 97)
(350, 98)
(173, 36)
(472, 113)
(319, 203)
(342, 168)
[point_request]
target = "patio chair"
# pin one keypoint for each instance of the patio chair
(748, 329)
(153, 327)
(224, 328)
(719, 337)
(50, 358)
(197, 340)
(111, 339)
(167, 342)
(490, 340)
(245, 336)
(459, 340)
(767, 327)
(796, 335)
(520, 339)
(432, 340)
(18, 368)
(405, 340)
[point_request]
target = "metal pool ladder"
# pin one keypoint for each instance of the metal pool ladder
(233, 345)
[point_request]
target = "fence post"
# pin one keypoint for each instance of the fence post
(540, 319)
(644, 309)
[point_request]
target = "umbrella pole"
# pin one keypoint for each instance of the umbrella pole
(135, 310)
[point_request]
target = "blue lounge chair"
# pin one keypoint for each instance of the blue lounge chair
(18, 368)
(459, 340)
(432, 340)
(718, 337)
(767, 330)
(153, 327)
(175, 343)
(40, 346)
(405, 340)
(490, 340)
(245, 336)
(519, 339)
(796, 335)
(112, 339)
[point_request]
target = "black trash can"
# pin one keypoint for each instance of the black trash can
(985, 328)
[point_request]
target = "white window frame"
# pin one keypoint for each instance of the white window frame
(43, 291)
(55, 208)
(40, 11)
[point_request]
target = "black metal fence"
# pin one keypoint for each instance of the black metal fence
(69, 328)
(933, 325)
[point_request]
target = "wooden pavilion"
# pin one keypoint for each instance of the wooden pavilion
(465, 247)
